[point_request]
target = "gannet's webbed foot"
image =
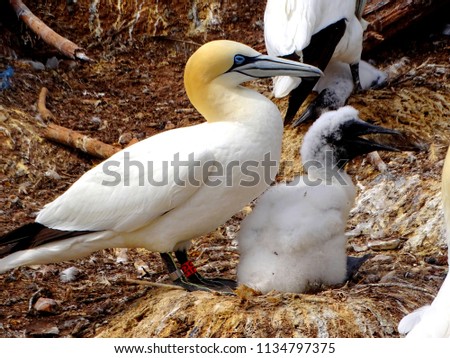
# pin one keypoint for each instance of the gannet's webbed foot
(191, 274)
(188, 277)
(354, 69)
(189, 286)
(354, 263)
(219, 284)
(177, 276)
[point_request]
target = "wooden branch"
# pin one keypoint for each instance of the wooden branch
(65, 46)
(70, 137)
(79, 141)
(388, 17)
(151, 284)
(42, 107)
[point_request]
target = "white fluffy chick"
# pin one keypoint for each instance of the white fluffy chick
(295, 235)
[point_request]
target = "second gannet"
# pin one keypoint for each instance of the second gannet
(314, 32)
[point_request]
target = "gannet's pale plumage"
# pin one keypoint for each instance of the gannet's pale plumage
(292, 28)
(433, 321)
(294, 237)
(336, 86)
(116, 205)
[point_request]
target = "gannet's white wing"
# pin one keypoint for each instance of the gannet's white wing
(434, 320)
(411, 320)
(117, 194)
(430, 321)
(285, 32)
(288, 25)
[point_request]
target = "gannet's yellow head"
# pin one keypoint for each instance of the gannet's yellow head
(218, 67)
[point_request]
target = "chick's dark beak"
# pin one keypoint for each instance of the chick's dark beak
(354, 145)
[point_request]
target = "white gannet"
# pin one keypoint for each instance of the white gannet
(314, 32)
(295, 236)
(433, 321)
(336, 85)
(164, 191)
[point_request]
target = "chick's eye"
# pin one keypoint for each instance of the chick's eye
(239, 59)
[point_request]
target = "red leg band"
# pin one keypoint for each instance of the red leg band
(188, 269)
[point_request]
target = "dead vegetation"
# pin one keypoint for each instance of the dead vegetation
(132, 90)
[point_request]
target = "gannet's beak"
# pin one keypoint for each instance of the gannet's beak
(264, 66)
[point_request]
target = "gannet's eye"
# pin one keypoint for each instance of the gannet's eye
(239, 59)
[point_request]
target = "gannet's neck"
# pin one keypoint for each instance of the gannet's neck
(325, 167)
(320, 159)
(222, 100)
(215, 91)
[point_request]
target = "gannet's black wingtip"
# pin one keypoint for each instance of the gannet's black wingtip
(297, 97)
(318, 53)
(32, 235)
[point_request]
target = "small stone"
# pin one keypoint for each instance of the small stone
(385, 259)
(169, 125)
(384, 245)
(372, 278)
(52, 63)
(52, 174)
(359, 248)
(122, 256)
(52, 331)
(96, 120)
(46, 305)
(43, 330)
(36, 65)
(70, 274)
(389, 277)
(125, 138)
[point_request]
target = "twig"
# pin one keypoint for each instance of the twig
(149, 283)
(42, 105)
(70, 137)
(377, 162)
(80, 141)
(395, 285)
(173, 39)
(65, 46)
